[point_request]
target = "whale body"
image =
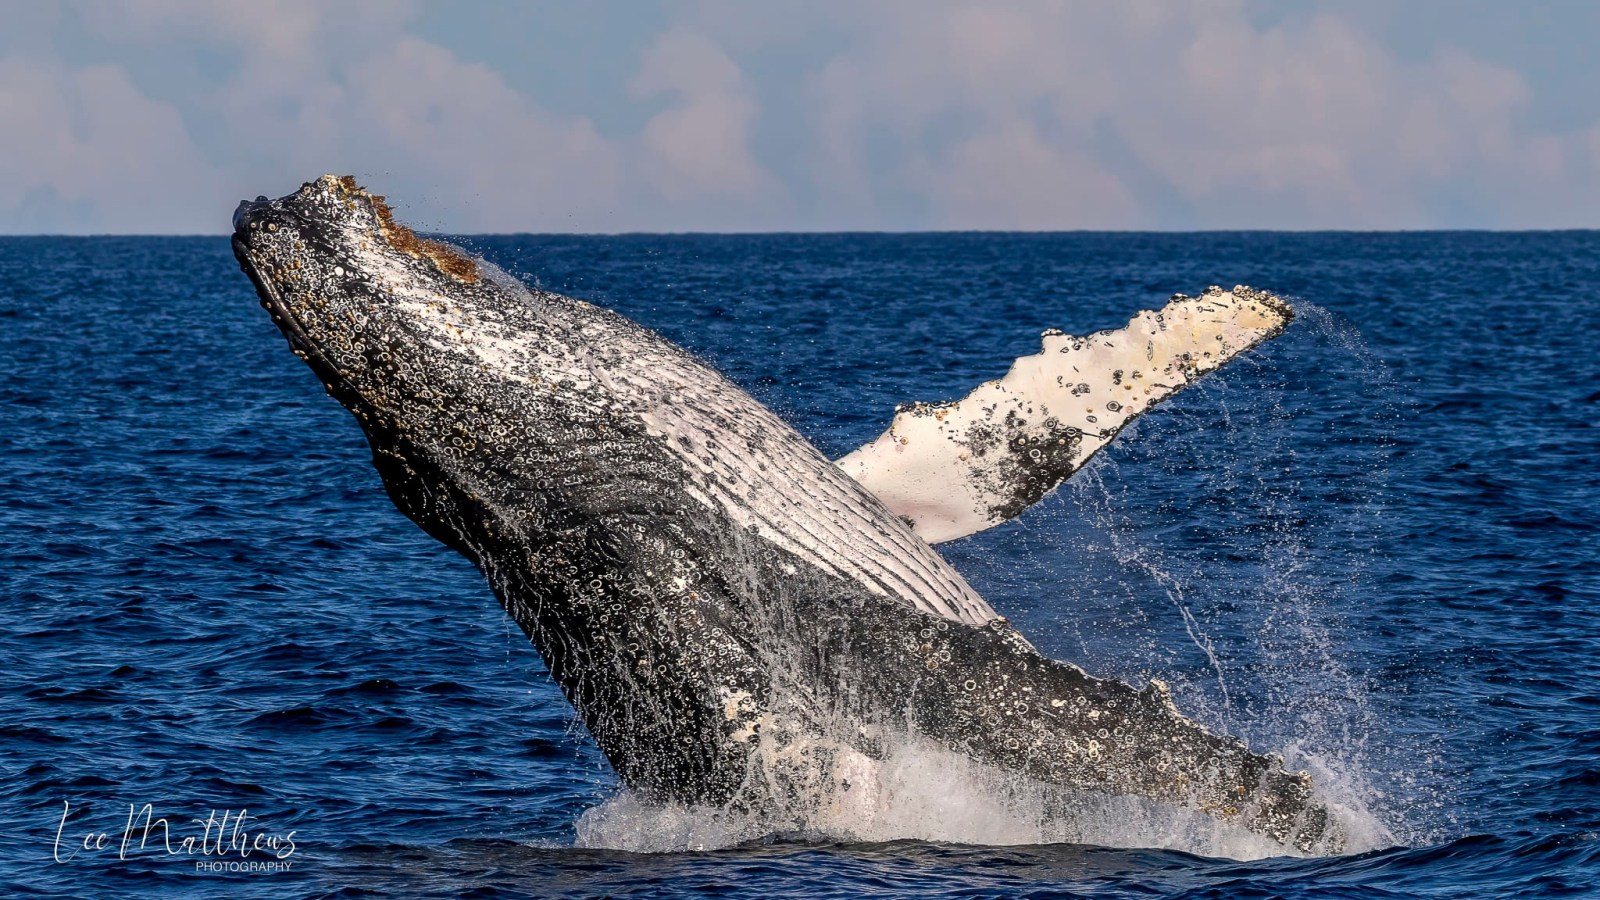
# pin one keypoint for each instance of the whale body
(735, 618)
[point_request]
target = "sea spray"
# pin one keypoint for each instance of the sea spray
(1277, 636)
(920, 791)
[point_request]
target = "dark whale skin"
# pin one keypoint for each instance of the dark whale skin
(704, 586)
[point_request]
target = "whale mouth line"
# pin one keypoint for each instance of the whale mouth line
(299, 339)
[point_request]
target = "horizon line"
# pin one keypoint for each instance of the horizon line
(858, 231)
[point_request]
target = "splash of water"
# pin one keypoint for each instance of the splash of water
(1278, 638)
(921, 791)
(1272, 649)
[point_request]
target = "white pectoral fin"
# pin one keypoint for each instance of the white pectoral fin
(954, 469)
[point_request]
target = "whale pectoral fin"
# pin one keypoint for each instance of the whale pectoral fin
(954, 469)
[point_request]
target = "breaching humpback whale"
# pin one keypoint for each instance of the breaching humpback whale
(733, 616)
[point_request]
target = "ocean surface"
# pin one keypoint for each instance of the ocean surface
(1373, 545)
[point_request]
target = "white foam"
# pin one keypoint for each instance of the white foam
(1312, 710)
(918, 791)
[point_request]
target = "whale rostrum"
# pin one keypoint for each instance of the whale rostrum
(735, 618)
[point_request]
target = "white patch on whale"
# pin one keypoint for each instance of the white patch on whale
(957, 468)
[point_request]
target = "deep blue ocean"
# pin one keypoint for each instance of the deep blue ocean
(1373, 544)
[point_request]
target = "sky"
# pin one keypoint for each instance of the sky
(726, 115)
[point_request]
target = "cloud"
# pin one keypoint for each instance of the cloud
(346, 88)
(83, 150)
(480, 155)
(965, 96)
(699, 145)
(1014, 178)
(934, 113)
(1044, 115)
(1317, 119)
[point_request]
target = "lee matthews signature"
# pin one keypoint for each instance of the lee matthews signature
(216, 838)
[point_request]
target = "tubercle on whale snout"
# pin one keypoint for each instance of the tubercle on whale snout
(448, 259)
(340, 202)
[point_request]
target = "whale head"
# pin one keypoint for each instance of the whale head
(337, 271)
(417, 339)
(389, 321)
